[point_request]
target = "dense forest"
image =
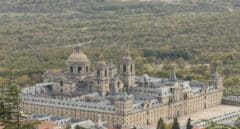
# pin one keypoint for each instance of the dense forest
(191, 37)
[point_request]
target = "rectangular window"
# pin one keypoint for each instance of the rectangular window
(98, 73)
(79, 69)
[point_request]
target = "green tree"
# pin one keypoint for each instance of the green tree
(189, 126)
(79, 127)
(10, 102)
(169, 125)
(175, 124)
(68, 126)
(160, 124)
(10, 110)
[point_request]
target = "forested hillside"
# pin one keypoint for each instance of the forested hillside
(190, 37)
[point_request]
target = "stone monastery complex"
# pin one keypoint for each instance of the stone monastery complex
(116, 95)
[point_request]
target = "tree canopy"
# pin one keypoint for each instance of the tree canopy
(189, 36)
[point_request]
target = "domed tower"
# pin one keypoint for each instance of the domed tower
(102, 77)
(127, 71)
(78, 63)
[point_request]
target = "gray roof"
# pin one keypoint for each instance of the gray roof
(158, 87)
(103, 106)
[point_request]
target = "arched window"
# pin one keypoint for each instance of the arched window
(86, 68)
(71, 69)
(98, 73)
(105, 73)
(79, 69)
(61, 83)
(118, 84)
(185, 96)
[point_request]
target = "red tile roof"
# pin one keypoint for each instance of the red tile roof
(47, 125)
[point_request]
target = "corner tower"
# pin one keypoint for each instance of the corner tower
(78, 63)
(101, 77)
(217, 80)
(124, 107)
(127, 71)
(124, 103)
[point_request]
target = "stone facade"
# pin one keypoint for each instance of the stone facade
(119, 98)
(101, 82)
(127, 72)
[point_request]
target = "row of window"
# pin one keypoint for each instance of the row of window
(105, 73)
(79, 69)
(125, 68)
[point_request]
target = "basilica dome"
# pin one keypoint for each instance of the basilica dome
(78, 57)
(127, 59)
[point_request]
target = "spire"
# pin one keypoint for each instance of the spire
(173, 76)
(127, 58)
(127, 53)
(77, 49)
(111, 64)
(101, 57)
(110, 68)
(215, 74)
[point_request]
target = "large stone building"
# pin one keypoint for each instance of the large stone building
(118, 96)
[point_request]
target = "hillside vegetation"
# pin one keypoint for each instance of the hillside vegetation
(190, 37)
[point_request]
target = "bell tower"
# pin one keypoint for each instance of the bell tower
(101, 77)
(127, 71)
